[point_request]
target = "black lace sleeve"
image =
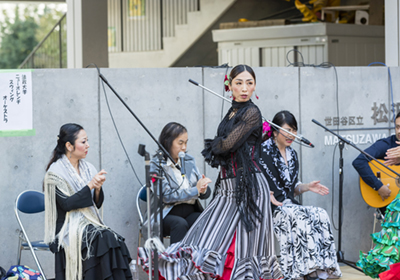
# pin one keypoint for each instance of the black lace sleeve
(240, 127)
(250, 121)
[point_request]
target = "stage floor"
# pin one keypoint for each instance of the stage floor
(349, 273)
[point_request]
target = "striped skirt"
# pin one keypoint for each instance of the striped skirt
(203, 251)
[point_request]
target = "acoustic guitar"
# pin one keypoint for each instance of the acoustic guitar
(371, 196)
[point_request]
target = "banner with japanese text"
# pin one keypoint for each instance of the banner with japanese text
(16, 118)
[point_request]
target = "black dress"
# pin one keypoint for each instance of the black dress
(110, 257)
(233, 237)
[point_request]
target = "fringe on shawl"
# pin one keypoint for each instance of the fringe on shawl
(50, 183)
(71, 234)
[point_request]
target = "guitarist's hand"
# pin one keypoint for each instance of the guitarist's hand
(384, 192)
(393, 155)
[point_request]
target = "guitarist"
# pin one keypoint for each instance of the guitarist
(387, 149)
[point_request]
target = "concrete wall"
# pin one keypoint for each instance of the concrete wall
(158, 96)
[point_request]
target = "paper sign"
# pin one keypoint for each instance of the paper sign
(16, 118)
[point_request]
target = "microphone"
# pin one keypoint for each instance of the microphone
(305, 141)
(317, 122)
(193, 82)
(182, 158)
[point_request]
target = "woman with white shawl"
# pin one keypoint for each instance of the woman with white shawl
(84, 247)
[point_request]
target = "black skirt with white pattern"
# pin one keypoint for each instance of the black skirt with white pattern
(306, 241)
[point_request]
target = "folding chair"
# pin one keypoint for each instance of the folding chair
(142, 196)
(30, 202)
(378, 217)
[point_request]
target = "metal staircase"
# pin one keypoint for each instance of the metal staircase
(141, 33)
(51, 52)
(159, 34)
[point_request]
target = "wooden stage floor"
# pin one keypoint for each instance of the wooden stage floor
(349, 273)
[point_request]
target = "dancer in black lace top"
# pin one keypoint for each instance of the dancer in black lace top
(233, 237)
(235, 149)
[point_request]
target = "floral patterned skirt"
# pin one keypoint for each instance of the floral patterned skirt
(306, 242)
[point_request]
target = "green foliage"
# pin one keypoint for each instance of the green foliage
(21, 34)
(48, 55)
(46, 22)
(18, 39)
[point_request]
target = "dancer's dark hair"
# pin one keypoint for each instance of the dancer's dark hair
(68, 133)
(240, 69)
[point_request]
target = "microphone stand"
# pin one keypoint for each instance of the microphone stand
(157, 199)
(142, 151)
(342, 142)
(299, 137)
(140, 122)
(160, 157)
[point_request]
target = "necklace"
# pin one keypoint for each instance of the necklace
(233, 113)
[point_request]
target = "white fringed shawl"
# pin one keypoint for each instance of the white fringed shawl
(63, 179)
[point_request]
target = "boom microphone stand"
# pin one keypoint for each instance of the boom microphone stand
(342, 142)
(140, 122)
(157, 227)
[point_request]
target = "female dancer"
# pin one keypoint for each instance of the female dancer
(304, 233)
(84, 247)
(233, 237)
(180, 194)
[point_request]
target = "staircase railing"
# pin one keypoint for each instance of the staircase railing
(51, 52)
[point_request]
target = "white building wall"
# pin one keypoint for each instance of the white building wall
(392, 32)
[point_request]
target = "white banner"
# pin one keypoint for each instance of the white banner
(16, 102)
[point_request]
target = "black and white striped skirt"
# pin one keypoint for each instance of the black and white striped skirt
(203, 251)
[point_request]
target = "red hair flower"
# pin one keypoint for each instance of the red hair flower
(226, 82)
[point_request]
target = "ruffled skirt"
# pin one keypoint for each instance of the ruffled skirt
(109, 259)
(306, 242)
(387, 249)
(203, 252)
